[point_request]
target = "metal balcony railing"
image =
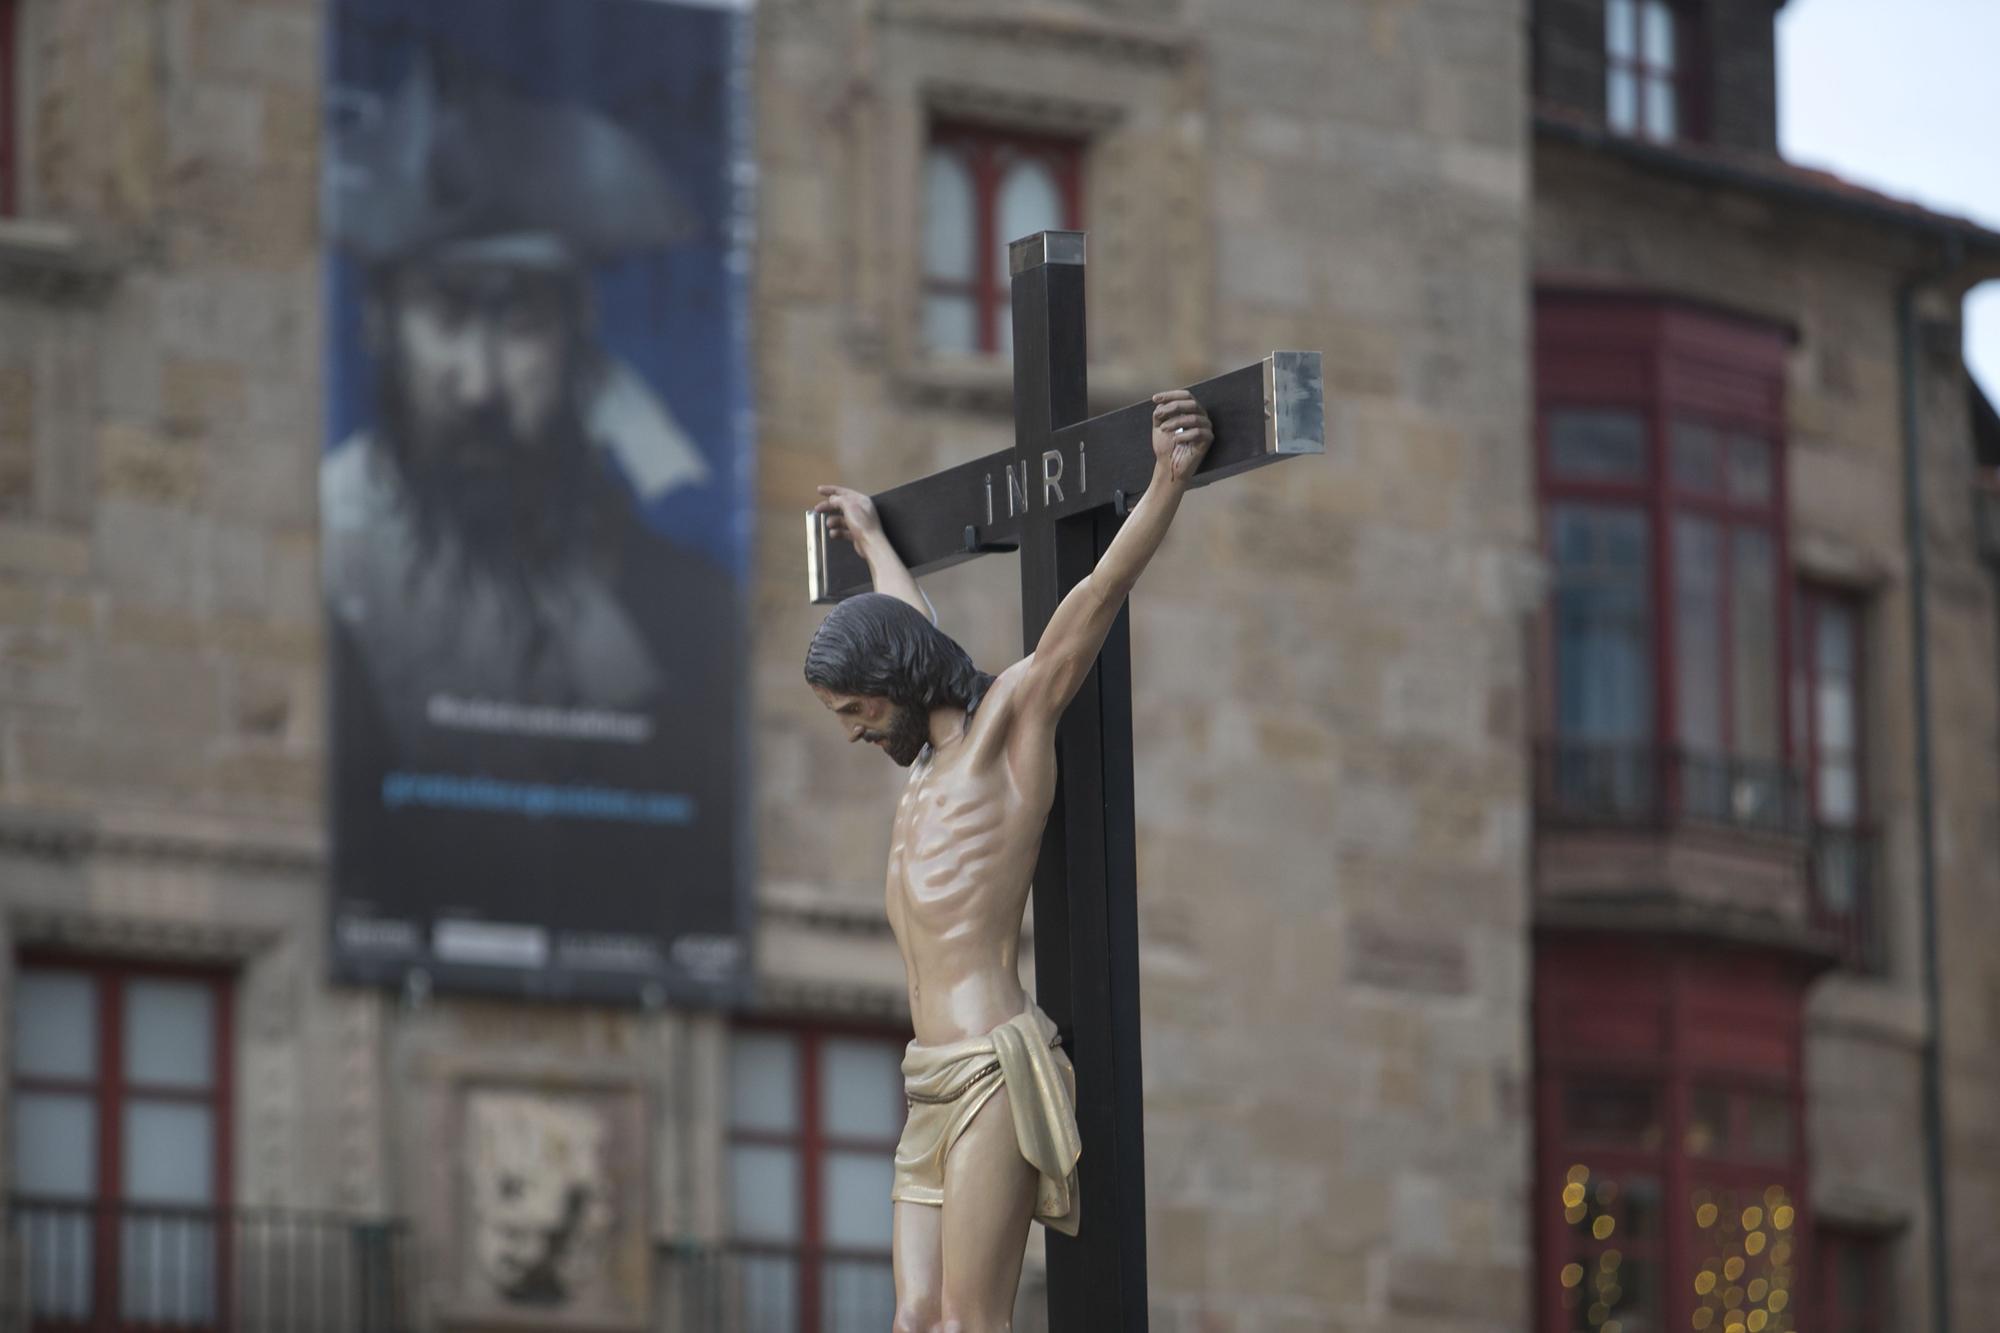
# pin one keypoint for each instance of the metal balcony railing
(1593, 783)
(1845, 903)
(83, 1267)
(756, 1289)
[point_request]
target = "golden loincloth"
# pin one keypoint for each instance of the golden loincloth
(948, 1085)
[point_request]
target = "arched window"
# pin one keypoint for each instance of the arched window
(982, 189)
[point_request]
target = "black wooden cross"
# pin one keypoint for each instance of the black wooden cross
(1058, 496)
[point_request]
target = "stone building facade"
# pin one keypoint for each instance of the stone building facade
(1343, 691)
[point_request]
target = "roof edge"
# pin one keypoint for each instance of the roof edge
(1772, 176)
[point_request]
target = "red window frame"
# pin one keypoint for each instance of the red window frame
(110, 1091)
(812, 1144)
(1680, 1024)
(987, 153)
(1676, 68)
(1667, 362)
(1853, 837)
(1843, 1252)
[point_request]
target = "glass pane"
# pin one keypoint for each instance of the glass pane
(169, 1033)
(169, 1153)
(55, 1146)
(1755, 623)
(1708, 1122)
(1767, 1127)
(1030, 201)
(1749, 469)
(767, 1292)
(1613, 1115)
(1698, 632)
(1587, 445)
(1747, 1272)
(1835, 653)
(764, 1192)
(1611, 1278)
(1621, 29)
(856, 1194)
(55, 1024)
(1662, 109)
(764, 1082)
(1695, 458)
(57, 1254)
(861, 1089)
(1839, 795)
(167, 1269)
(1660, 51)
(1621, 99)
(1835, 717)
(857, 1296)
(1603, 655)
(951, 323)
(951, 229)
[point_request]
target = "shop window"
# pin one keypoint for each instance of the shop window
(1671, 1159)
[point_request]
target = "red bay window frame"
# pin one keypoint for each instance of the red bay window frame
(987, 151)
(1674, 1015)
(109, 1092)
(1688, 75)
(813, 1144)
(1665, 359)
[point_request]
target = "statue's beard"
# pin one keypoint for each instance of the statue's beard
(909, 732)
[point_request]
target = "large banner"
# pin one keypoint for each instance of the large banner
(535, 496)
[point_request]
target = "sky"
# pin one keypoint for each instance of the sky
(1903, 96)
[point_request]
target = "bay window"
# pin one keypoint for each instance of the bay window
(1663, 513)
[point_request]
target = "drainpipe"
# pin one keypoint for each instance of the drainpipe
(1913, 520)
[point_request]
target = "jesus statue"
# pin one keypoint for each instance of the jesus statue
(974, 1168)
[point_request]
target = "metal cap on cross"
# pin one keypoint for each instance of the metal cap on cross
(1058, 497)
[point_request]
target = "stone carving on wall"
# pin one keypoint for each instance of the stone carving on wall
(552, 1229)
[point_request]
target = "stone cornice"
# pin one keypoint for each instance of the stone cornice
(1087, 33)
(52, 261)
(161, 837)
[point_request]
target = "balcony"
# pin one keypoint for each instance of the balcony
(1653, 839)
(81, 1267)
(1587, 784)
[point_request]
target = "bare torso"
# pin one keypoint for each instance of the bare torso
(961, 858)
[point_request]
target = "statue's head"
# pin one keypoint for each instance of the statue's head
(883, 668)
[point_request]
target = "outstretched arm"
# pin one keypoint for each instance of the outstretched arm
(1054, 672)
(851, 515)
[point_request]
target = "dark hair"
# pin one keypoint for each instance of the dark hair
(882, 646)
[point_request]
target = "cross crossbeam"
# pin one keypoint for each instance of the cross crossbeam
(1058, 497)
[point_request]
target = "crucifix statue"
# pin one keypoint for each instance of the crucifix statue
(1026, 779)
